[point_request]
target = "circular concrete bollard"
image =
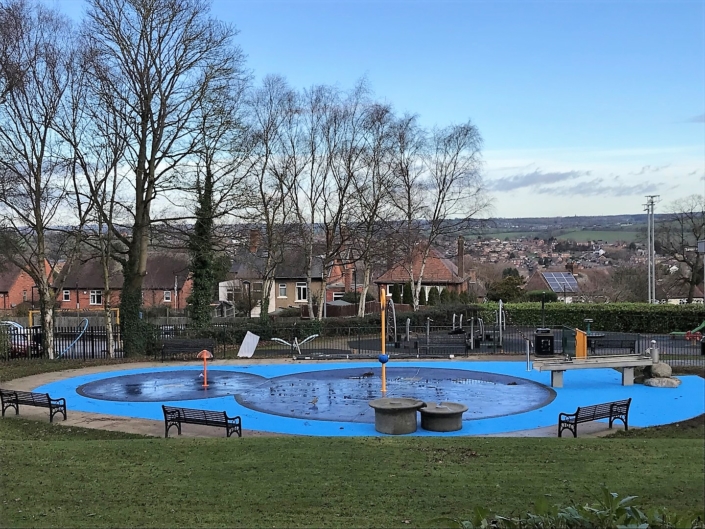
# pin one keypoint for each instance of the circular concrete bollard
(443, 416)
(395, 416)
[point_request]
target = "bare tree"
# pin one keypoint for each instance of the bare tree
(12, 73)
(678, 237)
(438, 191)
(39, 195)
(97, 137)
(371, 212)
(154, 61)
(266, 195)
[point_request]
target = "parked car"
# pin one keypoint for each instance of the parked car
(18, 340)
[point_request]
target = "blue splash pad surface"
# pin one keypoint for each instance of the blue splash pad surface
(650, 406)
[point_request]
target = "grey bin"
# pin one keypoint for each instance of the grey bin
(544, 340)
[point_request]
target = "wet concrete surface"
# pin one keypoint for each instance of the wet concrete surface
(344, 394)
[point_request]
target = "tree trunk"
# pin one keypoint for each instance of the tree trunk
(46, 306)
(134, 332)
(362, 303)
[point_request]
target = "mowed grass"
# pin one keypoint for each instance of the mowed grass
(88, 478)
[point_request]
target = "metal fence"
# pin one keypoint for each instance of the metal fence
(427, 341)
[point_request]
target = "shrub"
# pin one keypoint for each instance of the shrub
(538, 295)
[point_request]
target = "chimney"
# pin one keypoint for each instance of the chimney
(461, 257)
(254, 241)
(349, 280)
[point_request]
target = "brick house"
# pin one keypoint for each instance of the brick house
(166, 284)
(16, 286)
(440, 272)
(289, 289)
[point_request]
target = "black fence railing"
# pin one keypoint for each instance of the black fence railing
(426, 341)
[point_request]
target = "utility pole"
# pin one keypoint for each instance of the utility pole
(651, 240)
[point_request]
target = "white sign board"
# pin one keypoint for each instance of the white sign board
(701, 246)
(248, 345)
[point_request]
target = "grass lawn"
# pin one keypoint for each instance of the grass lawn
(70, 477)
(57, 476)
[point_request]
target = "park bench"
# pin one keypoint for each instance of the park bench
(609, 410)
(178, 416)
(458, 343)
(13, 398)
(612, 343)
(186, 348)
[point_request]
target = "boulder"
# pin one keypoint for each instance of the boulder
(662, 382)
(661, 370)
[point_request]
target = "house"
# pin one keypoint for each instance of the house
(674, 291)
(245, 280)
(166, 284)
(440, 272)
(16, 286)
(562, 283)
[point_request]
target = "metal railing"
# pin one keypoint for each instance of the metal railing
(425, 341)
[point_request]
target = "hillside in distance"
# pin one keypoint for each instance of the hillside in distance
(607, 228)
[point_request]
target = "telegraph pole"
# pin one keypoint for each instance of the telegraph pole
(651, 243)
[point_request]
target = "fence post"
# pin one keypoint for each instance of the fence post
(528, 355)
(654, 352)
(428, 331)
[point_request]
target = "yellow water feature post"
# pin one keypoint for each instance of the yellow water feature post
(383, 358)
(580, 344)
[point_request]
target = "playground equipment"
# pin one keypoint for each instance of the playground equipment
(296, 344)
(81, 332)
(694, 335)
(383, 358)
(205, 354)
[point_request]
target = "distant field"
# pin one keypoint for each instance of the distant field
(578, 235)
(607, 236)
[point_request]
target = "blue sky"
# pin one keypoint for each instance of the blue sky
(584, 107)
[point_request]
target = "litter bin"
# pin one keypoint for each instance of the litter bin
(543, 340)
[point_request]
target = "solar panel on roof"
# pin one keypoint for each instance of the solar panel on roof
(561, 281)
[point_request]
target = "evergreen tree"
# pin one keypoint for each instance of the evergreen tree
(202, 258)
(434, 296)
(422, 296)
(396, 293)
(445, 296)
(408, 298)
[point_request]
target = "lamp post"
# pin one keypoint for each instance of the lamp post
(249, 299)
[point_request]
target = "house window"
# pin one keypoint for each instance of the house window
(67, 295)
(338, 295)
(167, 296)
(230, 294)
(24, 295)
(282, 290)
(389, 291)
(257, 287)
(301, 292)
(96, 297)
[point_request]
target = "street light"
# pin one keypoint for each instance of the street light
(249, 299)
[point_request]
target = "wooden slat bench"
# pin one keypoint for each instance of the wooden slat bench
(178, 416)
(186, 348)
(11, 398)
(609, 410)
